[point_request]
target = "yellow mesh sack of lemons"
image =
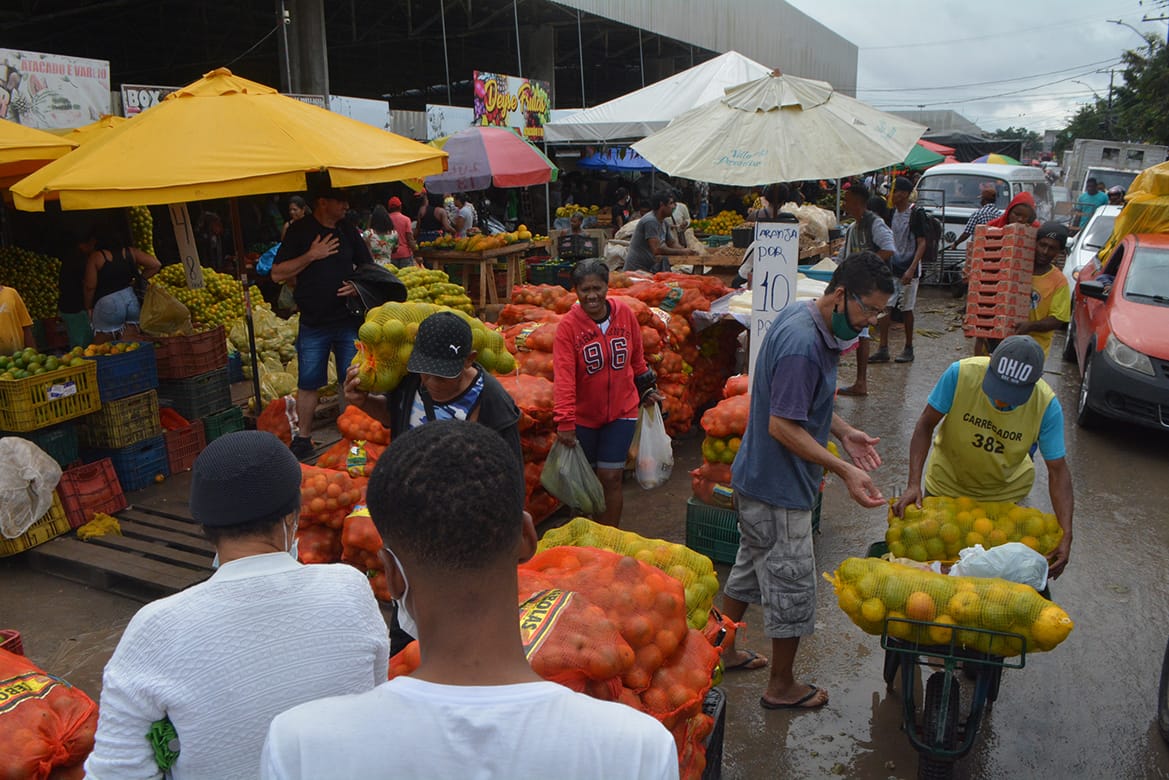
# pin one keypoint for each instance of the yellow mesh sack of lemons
(386, 339)
(431, 286)
(871, 590)
(943, 526)
(694, 570)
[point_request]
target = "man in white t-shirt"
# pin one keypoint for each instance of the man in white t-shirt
(447, 499)
(465, 216)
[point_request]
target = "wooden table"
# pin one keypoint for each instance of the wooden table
(512, 255)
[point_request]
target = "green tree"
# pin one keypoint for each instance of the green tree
(1140, 102)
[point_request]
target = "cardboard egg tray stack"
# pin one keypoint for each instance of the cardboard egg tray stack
(999, 297)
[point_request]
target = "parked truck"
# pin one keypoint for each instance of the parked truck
(1111, 163)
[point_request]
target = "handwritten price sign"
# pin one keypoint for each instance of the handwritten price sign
(777, 252)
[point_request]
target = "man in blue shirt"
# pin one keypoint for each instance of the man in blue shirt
(1090, 199)
(777, 472)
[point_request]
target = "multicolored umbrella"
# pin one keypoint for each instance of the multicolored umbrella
(484, 156)
(997, 159)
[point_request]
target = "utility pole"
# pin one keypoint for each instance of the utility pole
(1111, 75)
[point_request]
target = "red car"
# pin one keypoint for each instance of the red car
(1120, 334)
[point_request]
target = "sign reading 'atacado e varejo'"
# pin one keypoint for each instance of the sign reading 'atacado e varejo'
(510, 101)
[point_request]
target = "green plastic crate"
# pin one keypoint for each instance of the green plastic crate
(227, 421)
(714, 531)
(59, 442)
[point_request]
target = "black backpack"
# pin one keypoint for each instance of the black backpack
(928, 226)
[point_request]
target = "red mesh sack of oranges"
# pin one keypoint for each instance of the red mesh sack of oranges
(279, 418)
(356, 425)
(360, 545)
(356, 457)
(46, 725)
(327, 496)
(318, 544)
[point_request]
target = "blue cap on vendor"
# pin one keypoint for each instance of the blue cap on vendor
(1015, 366)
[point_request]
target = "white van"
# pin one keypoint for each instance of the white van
(951, 193)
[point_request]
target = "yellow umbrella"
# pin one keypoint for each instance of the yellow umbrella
(86, 133)
(224, 136)
(24, 149)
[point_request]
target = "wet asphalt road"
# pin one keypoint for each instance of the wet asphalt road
(1084, 710)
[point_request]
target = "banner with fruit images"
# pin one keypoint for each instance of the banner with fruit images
(511, 101)
(52, 91)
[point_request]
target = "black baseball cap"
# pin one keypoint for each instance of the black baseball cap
(441, 346)
(1015, 366)
(244, 477)
(1054, 230)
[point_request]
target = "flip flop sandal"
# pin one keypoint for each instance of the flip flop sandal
(745, 666)
(795, 705)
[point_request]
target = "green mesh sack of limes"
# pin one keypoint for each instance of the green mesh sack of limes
(694, 570)
(944, 526)
(386, 339)
(872, 591)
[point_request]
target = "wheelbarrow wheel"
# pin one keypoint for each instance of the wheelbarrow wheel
(939, 727)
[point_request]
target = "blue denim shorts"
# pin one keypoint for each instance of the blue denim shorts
(313, 345)
(607, 447)
(115, 311)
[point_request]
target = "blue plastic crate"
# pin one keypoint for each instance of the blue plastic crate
(136, 465)
(126, 374)
(235, 367)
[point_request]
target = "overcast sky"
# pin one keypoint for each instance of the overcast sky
(1052, 53)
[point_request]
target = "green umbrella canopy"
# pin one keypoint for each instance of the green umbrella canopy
(920, 158)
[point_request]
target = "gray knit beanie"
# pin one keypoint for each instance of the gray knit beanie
(244, 477)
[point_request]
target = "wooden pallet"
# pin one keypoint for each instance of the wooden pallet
(158, 554)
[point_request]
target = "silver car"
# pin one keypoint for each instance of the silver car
(1090, 240)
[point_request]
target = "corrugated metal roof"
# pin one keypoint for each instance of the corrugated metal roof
(768, 31)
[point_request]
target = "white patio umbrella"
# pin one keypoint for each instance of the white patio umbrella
(778, 129)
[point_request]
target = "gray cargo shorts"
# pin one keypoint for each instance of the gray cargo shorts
(775, 567)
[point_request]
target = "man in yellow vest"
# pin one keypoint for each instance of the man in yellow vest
(993, 412)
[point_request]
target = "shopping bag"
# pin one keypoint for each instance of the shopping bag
(264, 263)
(28, 477)
(1012, 561)
(568, 476)
(163, 314)
(655, 451)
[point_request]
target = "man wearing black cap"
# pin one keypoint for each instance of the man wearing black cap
(319, 253)
(265, 633)
(1051, 299)
(992, 413)
(444, 383)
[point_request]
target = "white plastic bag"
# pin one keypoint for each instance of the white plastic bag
(28, 478)
(655, 451)
(568, 476)
(1012, 561)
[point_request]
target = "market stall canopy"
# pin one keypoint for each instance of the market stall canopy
(484, 156)
(779, 128)
(615, 159)
(25, 149)
(220, 137)
(651, 108)
(921, 157)
(933, 147)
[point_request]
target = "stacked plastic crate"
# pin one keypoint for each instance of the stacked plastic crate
(1001, 264)
(196, 382)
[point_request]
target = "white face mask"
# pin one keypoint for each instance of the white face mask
(293, 548)
(405, 619)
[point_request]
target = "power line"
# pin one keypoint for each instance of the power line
(1005, 94)
(1110, 60)
(988, 36)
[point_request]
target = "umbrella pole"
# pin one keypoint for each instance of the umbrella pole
(838, 201)
(238, 238)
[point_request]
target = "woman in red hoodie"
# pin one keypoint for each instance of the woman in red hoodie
(601, 379)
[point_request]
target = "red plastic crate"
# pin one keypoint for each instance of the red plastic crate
(92, 487)
(10, 641)
(182, 357)
(993, 326)
(183, 446)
